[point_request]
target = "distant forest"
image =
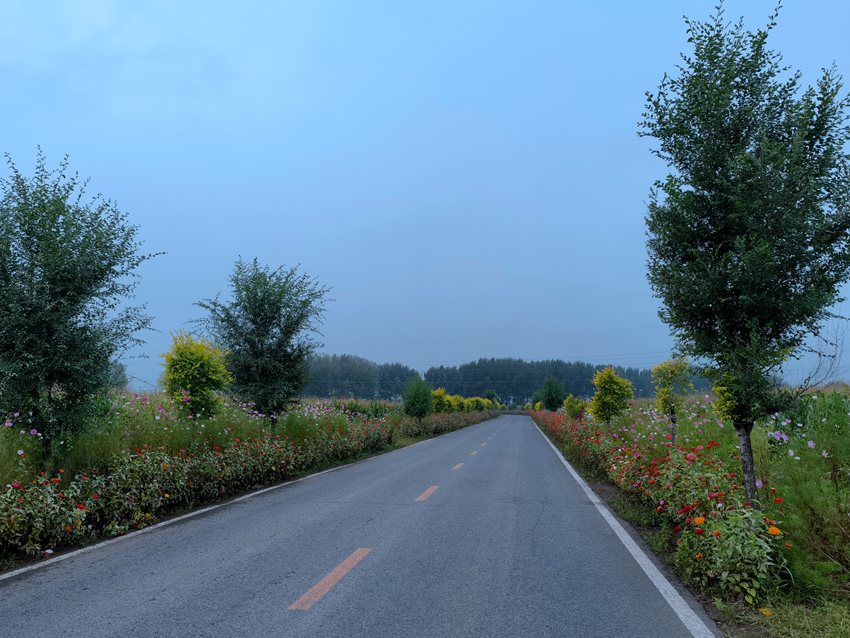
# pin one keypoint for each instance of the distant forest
(512, 381)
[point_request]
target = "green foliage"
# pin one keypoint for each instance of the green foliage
(551, 395)
(118, 379)
(574, 406)
(514, 381)
(266, 330)
(418, 401)
(67, 263)
(347, 375)
(749, 235)
(194, 370)
(672, 379)
(438, 400)
(612, 396)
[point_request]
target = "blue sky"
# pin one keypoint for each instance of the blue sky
(466, 176)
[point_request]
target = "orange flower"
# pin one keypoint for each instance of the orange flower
(789, 546)
(716, 533)
(699, 520)
(764, 611)
(698, 555)
(774, 531)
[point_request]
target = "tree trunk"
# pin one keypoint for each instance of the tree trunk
(748, 464)
(673, 423)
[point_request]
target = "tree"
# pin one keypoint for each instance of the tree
(267, 331)
(118, 375)
(551, 395)
(672, 378)
(67, 264)
(612, 396)
(418, 401)
(748, 234)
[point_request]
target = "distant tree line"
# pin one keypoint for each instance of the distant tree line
(347, 375)
(510, 381)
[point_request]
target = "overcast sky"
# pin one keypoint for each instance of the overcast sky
(466, 176)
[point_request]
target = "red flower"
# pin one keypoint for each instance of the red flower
(80, 506)
(16, 485)
(777, 500)
(95, 496)
(677, 529)
(699, 531)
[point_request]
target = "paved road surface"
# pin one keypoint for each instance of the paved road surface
(481, 532)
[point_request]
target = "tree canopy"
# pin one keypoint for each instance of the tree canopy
(267, 330)
(748, 233)
(67, 267)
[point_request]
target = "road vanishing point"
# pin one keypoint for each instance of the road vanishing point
(485, 531)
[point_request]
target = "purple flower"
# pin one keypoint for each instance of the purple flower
(8, 424)
(778, 435)
(34, 432)
(759, 484)
(811, 445)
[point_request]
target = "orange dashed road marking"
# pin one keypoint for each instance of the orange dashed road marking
(326, 584)
(424, 495)
(473, 453)
(458, 466)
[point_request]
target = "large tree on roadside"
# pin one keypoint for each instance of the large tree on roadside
(267, 330)
(67, 264)
(748, 234)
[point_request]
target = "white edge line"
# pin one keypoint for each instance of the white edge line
(689, 618)
(182, 517)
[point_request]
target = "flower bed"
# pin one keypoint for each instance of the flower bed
(721, 542)
(54, 510)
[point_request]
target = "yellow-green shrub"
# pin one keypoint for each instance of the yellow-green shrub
(194, 370)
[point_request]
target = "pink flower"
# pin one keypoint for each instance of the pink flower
(15, 485)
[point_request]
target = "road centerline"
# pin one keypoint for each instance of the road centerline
(424, 495)
(317, 591)
(457, 467)
(473, 453)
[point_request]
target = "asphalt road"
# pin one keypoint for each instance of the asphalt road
(408, 544)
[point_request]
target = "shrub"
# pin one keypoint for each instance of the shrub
(612, 396)
(439, 400)
(418, 401)
(551, 395)
(194, 370)
(574, 407)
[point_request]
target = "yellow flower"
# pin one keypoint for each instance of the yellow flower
(764, 611)
(774, 531)
(699, 520)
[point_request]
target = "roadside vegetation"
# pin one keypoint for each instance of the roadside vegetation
(150, 456)
(785, 567)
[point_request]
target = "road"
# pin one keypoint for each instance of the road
(481, 532)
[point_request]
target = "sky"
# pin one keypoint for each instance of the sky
(466, 177)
